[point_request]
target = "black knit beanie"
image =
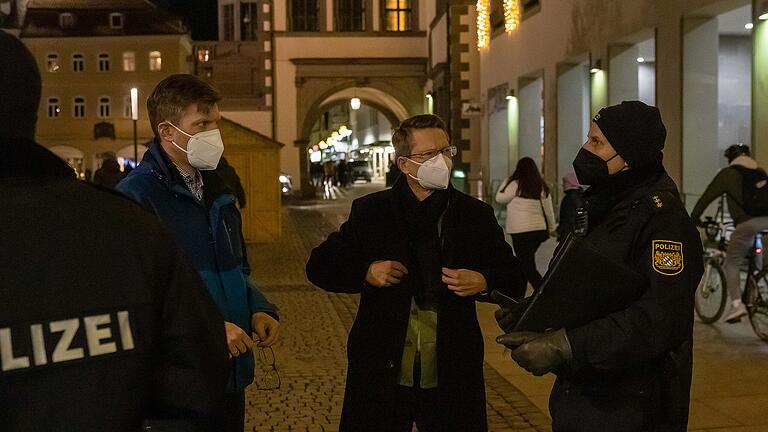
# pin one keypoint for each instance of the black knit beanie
(635, 130)
(19, 89)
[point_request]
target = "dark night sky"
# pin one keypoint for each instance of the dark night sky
(199, 15)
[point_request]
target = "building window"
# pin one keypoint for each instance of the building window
(155, 61)
(304, 15)
(350, 15)
(103, 62)
(397, 15)
(129, 61)
(54, 107)
(497, 14)
(105, 107)
(204, 55)
(115, 20)
(67, 20)
(127, 113)
(528, 5)
(249, 25)
(228, 18)
(52, 63)
(78, 63)
(78, 107)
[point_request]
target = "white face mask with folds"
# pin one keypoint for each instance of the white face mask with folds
(204, 149)
(434, 173)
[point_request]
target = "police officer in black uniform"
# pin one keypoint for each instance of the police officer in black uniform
(104, 326)
(631, 370)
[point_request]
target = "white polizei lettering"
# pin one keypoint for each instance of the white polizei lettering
(38, 344)
(96, 335)
(124, 320)
(9, 362)
(62, 352)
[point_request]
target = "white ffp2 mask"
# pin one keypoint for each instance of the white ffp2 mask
(204, 149)
(434, 173)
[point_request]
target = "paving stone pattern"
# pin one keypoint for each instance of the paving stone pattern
(311, 357)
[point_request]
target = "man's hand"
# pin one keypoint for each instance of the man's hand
(538, 353)
(238, 341)
(385, 273)
(463, 282)
(266, 328)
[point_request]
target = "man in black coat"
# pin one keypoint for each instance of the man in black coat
(103, 323)
(420, 254)
(631, 370)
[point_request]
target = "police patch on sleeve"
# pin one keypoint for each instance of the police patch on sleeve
(667, 257)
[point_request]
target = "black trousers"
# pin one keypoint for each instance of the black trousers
(415, 405)
(526, 244)
(233, 413)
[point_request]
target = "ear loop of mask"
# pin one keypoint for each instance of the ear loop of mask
(624, 168)
(190, 136)
(409, 174)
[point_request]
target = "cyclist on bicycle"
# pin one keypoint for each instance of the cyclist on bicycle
(740, 181)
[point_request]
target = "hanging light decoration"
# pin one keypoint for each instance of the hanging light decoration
(511, 15)
(483, 24)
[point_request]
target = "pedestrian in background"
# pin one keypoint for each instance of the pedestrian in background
(316, 169)
(530, 217)
(104, 324)
(232, 180)
(109, 174)
(571, 202)
(343, 170)
(177, 182)
(329, 173)
(393, 173)
(421, 254)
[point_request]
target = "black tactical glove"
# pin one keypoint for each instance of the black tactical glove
(510, 311)
(539, 353)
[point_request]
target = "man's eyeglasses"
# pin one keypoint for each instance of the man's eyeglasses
(266, 364)
(447, 152)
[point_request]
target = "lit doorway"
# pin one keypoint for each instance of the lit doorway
(531, 124)
(633, 72)
(717, 94)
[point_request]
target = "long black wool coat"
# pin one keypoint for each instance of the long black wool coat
(471, 239)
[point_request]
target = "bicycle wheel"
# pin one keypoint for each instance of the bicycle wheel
(711, 295)
(757, 306)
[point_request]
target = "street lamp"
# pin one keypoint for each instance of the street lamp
(355, 103)
(135, 117)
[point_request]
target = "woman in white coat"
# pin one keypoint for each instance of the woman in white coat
(530, 217)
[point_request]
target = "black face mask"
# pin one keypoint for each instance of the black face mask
(590, 168)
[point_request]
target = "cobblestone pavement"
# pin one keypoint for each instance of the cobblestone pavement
(311, 356)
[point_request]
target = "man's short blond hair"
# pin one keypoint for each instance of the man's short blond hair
(402, 136)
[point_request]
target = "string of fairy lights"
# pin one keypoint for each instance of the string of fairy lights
(511, 15)
(483, 24)
(511, 20)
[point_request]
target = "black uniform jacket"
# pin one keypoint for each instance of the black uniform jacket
(375, 230)
(103, 323)
(633, 368)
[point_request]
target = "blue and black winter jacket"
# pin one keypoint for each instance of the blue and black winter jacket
(211, 235)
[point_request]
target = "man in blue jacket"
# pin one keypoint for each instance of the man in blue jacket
(176, 181)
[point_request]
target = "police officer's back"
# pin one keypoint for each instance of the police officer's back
(631, 370)
(103, 324)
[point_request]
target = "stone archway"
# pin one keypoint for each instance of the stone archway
(392, 109)
(395, 87)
